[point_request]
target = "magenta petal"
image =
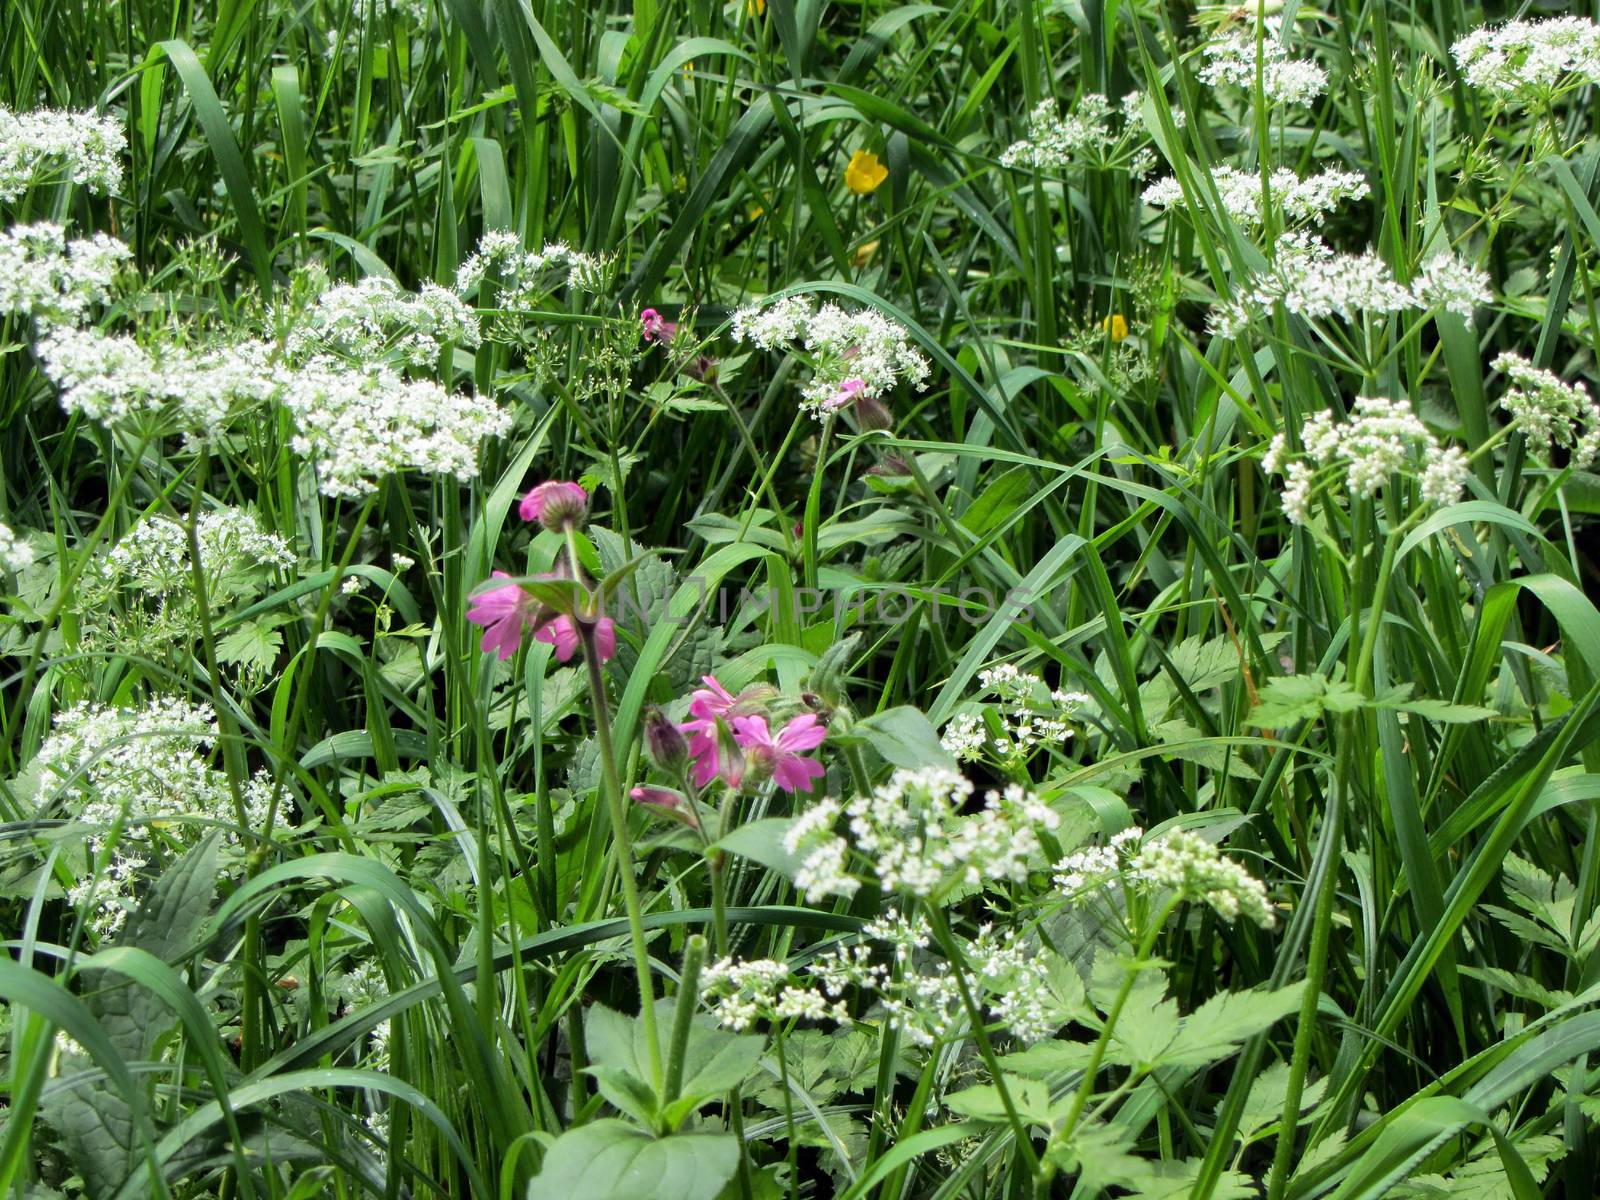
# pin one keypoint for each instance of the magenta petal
(713, 700)
(605, 638)
(562, 634)
(803, 733)
(752, 731)
(794, 774)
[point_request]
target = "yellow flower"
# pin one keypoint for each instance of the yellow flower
(757, 211)
(1117, 325)
(756, 8)
(865, 174)
(864, 253)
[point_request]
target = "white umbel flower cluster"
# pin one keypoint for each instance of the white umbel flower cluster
(524, 276)
(47, 145)
(1177, 864)
(15, 554)
(1186, 864)
(154, 556)
(1241, 193)
(358, 426)
(111, 378)
(914, 838)
(920, 994)
(1053, 141)
(44, 275)
(111, 765)
(356, 423)
(376, 319)
(1313, 281)
(1549, 413)
(853, 355)
(740, 993)
(1291, 81)
(1025, 721)
(1382, 439)
(1525, 60)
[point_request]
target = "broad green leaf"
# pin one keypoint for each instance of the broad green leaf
(612, 1160)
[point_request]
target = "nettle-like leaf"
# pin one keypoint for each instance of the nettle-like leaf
(94, 1120)
(613, 1160)
(715, 1062)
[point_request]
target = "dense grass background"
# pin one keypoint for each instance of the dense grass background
(441, 816)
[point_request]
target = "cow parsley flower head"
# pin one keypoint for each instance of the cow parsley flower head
(864, 349)
(1185, 864)
(910, 832)
(357, 426)
(524, 276)
(106, 894)
(154, 557)
(1382, 439)
(1549, 413)
(15, 553)
(741, 993)
(1026, 716)
(43, 146)
(109, 766)
(43, 274)
(1231, 60)
(376, 318)
(1053, 142)
(1525, 60)
(1312, 280)
(1298, 199)
(111, 378)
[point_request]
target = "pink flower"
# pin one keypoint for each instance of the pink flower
(667, 803)
(655, 327)
(706, 705)
(781, 755)
(562, 633)
(849, 390)
(555, 504)
(505, 613)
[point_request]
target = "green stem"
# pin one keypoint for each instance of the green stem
(622, 843)
(941, 931)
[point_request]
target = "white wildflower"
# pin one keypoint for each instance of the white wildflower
(1382, 439)
(1241, 193)
(140, 766)
(1052, 142)
(358, 426)
(524, 276)
(1232, 60)
(43, 274)
(823, 854)
(742, 992)
(106, 895)
(852, 354)
(154, 556)
(965, 737)
(1549, 413)
(1521, 60)
(43, 146)
(1313, 281)
(1186, 864)
(376, 318)
(15, 553)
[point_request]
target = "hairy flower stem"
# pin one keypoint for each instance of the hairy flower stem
(622, 843)
(694, 958)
